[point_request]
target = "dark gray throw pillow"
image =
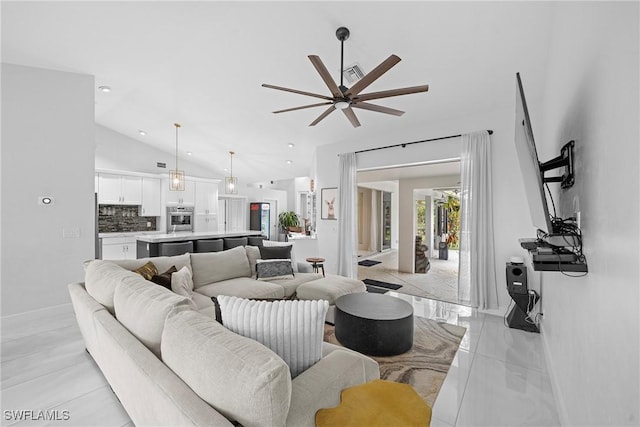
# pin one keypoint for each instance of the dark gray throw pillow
(164, 279)
(269, 269)
(275, 252)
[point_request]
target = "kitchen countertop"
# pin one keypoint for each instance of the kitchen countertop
(128, 233)
(181, 236)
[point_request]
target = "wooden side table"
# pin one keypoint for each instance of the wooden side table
(317, 263)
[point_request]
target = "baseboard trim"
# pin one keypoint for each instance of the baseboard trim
(555, 386)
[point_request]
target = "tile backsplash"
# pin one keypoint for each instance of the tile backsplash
(119, 218)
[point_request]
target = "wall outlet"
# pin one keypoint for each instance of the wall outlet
(148, 224)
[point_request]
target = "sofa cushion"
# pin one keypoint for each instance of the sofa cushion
(271, 243)
(291, 285)
(242, 379)
(212, 267)
(101, 279)
(244, 287)
(330, 288)
(142, 308)
(162, 263)
(253, 255)
(274, 269)
(293, 329)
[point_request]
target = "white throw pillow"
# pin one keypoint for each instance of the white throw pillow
(182, 284)
(294, 264)
(292, 329)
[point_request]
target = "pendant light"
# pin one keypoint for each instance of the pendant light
(176, 176)
(231, 182)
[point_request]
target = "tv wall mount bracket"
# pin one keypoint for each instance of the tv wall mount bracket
(565, 159)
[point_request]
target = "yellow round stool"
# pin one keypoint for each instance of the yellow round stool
(378, 403)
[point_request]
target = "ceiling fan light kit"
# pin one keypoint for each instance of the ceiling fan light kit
(345, 99)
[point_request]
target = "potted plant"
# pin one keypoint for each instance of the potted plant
(288, 220)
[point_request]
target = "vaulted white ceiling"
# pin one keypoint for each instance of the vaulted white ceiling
(202, 64)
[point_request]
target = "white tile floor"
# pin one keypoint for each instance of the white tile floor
(498, 377)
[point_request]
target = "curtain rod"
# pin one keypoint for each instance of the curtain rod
(404, 144)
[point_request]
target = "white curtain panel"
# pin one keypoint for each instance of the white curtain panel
(477, 283)
(347, 217)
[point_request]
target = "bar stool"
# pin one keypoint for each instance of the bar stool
(175, 248)
(211, 245)
(256, 240)
(232, 242)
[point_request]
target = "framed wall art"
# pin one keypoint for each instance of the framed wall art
(329, 201)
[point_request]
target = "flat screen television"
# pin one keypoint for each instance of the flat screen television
(530, 165)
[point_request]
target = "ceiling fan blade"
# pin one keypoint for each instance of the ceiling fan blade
(351, 116)
(328, 98)
(323, 115)
(378, 108)
(389, 93)
(324, 73)
(303, 107)
(372, 76)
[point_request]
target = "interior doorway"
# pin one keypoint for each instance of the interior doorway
(421, 206)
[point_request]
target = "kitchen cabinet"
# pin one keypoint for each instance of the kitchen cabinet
(151, 192)
(203, 222)
(186, 197)
(119, 189)
(118, 248)
(206, 198)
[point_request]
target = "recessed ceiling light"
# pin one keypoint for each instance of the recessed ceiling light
(289, 162)
(226, 169)
(291, 145)
(104, 88)
(189, 153)
(141, 132)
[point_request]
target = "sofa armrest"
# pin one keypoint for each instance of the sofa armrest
(304, 267)
(320, 386)
(371, 367)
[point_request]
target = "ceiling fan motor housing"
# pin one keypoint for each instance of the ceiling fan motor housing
(342, 33)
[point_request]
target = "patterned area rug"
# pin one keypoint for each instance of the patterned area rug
(425, 366)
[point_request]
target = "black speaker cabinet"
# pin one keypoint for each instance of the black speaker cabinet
(517, 279)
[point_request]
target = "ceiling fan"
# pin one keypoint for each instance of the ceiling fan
(345, 99)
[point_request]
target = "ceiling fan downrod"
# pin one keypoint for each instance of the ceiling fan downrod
(342, 34)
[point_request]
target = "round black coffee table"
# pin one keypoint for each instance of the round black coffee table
(374, 324)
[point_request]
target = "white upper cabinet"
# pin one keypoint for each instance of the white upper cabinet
(186, 197)
(119, 189)
(206, 198)
(151, 192)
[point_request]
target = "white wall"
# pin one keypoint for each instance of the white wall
(591, 324)
(47, 150)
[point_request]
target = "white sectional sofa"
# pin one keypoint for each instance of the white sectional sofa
(156, 347)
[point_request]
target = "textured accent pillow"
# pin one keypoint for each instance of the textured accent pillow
(292, 329)
(272, 243)
(182, 284)
(269, 269)
(147, 271)
(275, 252)
(164, 279)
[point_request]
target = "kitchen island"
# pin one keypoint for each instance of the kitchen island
(149, 245)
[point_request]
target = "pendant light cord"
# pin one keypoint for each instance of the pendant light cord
(177, 125)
